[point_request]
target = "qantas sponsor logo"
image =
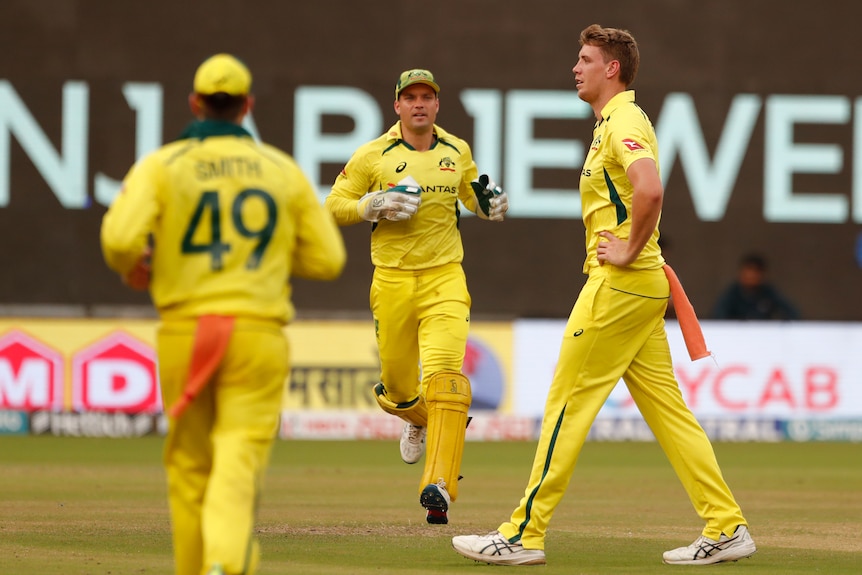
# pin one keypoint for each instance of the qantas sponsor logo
(441, 189)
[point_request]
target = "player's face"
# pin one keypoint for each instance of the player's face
(590, 73)
(417, 106)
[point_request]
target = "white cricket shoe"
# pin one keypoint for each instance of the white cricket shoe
(435, 499)
(495, 549)
(412, 443)
(706, 551)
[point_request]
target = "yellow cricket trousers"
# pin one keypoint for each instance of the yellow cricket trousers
(217, 451)
(422, 318)
(616, 330)
(419, 316)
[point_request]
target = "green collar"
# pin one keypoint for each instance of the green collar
(201, 129)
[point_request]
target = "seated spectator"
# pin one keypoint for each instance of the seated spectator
(751, 296)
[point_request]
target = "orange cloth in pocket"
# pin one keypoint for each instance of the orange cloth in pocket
(688, 324)
(212, 336)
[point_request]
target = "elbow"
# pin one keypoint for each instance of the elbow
(328, 204)
(655, 196)
(119, 253)
(330, 273)
(327, 268)
(332, 208)
(336, 265)
(337, 259)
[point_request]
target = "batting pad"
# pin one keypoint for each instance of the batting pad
(414, 412)
(448, 399)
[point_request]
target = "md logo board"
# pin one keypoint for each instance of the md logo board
(117, 373)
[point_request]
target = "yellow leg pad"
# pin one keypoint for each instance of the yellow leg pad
(414, 412)
(448, 398)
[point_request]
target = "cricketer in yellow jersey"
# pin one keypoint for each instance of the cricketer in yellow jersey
(215, 225)
(409, 182)
(616, 330)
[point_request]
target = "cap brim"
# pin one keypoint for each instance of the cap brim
(430, 84)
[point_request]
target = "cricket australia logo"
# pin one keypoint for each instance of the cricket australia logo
(596, 143)
(446, 165)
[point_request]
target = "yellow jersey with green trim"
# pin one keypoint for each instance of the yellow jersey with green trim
(230, 220)
(430, 238)
(623, 135)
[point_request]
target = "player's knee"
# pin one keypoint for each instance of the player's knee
(413, 411)
(394, 397)
(449, 387)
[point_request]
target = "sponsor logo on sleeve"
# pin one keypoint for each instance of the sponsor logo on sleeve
(632, 145)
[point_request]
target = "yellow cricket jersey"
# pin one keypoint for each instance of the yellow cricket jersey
(230, 221)
(431, 237)
(622, 135)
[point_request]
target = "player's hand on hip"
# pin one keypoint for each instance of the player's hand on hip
(396, 204)
(613, 250)
(493, 201)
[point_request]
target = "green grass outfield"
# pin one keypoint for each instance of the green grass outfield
(74, 506)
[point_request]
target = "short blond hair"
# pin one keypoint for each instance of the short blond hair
(615, 44)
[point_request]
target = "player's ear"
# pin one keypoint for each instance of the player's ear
(248, 106)
(195, 105)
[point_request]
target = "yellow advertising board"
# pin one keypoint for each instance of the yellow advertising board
(109, 364)
(335, 365)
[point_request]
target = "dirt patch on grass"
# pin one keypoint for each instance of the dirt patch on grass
(819, 536)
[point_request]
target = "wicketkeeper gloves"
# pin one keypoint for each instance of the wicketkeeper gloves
(397, 204)
(493, 201)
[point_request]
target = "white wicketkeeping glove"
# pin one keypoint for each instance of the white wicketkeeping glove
(397, 204)
(493, 201)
